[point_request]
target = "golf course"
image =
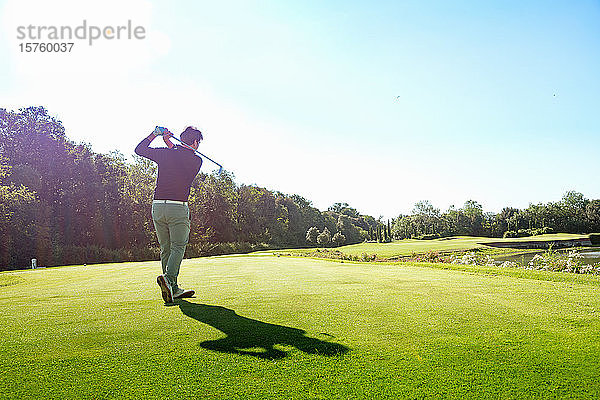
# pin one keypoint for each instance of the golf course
(299, 200)
(406, 247)
(262, 326)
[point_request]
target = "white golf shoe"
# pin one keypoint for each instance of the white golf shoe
(165, 288)
(183, 293)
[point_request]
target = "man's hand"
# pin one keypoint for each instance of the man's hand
(160, 131)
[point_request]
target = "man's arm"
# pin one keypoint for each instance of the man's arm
(143, 148)
(167, 139)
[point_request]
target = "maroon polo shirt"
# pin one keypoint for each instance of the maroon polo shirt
(177, 168)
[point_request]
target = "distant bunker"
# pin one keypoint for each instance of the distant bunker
(541, 244)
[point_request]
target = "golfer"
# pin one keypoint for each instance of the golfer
(177, 168)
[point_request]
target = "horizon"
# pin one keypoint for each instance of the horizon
(378, 107)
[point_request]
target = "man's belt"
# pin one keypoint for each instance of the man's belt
(183, 203)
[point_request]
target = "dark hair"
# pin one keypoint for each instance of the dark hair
(190, 134)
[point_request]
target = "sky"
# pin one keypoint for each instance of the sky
(379, 104)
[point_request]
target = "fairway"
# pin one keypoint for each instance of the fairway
(277, 327)
(407, 247)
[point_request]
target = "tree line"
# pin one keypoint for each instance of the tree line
(62, 203)
(572, 214)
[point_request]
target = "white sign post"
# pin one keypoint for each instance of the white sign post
(33, 263)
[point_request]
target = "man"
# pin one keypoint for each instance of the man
(177, 168)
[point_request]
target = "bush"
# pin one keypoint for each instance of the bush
(473, 258)
(204, 249)
(428, 236)
(145, 253)
(429, 257)
(539, 231)
(572, 262)
(523, 232)
(93, 254)
(367, 257)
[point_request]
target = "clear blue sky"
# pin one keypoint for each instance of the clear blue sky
(498, 101)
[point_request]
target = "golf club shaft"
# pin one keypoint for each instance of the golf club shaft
(187, 146)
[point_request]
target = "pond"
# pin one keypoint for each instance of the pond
(591, 255)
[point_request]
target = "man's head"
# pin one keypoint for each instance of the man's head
(191, 136)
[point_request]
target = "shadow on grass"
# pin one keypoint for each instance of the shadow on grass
(252, 337)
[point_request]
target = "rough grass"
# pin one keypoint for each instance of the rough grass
(407, 247)
(277, 327)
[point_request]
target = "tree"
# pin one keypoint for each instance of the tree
(592, 216)
(505, 218)
(138, 190)
(474, 213)
(312, 234)
(402, 227)
(79, 197)
(213, 207)
(347, 228)
(344, 208)
(255, 214)
(324, 237)
(17, 223)
(426, 218)
(338, 239)
(573, 205)
(307, 216)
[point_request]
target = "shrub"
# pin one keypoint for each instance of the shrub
(510, 234)
(367, 257)
(534, 232)
(523, 233)
(472, 258)
(542, 231)
(572, 262)
(145, 253)
(509, 264)
(93, 254)
(430, 257)
(428, 236)
(204, 249)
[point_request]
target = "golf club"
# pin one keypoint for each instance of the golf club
(187, 146)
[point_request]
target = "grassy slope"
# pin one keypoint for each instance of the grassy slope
(409, 246)
(411, 332)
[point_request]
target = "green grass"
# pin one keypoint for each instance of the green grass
(278, 327)
(408, 247)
